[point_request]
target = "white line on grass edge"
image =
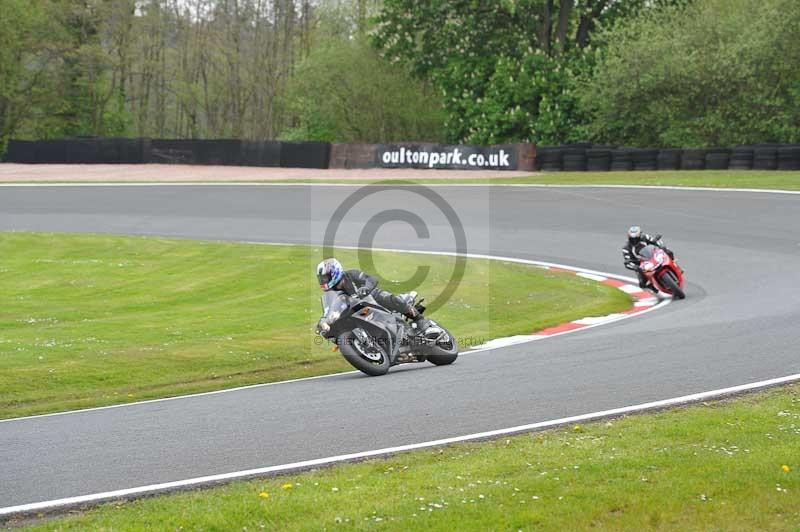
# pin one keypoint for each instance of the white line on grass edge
(532, 337)
(211, 479)
(389, 182)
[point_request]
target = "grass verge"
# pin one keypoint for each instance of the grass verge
(730, 465)
(91, 320)
(758, 179)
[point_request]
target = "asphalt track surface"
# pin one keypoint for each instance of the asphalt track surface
(739, 324)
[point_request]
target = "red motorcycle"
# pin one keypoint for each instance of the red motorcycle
(661, 271)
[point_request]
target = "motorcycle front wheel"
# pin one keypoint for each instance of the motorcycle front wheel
(371, 360)
(671, 284)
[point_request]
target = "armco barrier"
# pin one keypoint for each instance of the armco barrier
(21, 151)
(52, 151)
(166, 151)
(83, 151)
(226, 152)
(260, 153)
(305, 154)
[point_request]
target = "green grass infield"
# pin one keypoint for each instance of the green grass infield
(89, 320)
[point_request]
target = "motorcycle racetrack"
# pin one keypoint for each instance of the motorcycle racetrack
(737, 326)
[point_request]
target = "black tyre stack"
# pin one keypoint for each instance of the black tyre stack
(598, 159)
(741, 158)
(717, 158)
(645, 159)
(621, 160)
(669, 159)
(550, 158)
(693, 159)
(789, 157)
(765, 157)
(575, 157)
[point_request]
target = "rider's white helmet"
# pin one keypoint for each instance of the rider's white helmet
(329, 273)
(635, 232)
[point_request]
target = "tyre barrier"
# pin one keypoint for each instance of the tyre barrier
(645, 159)
(717, 159)
(789, 158)
(693, 159)
(621, 160)
(602, 158)
(598, 159)
(669, 159)
(741, 158)
(765, 158)
(575, 157)
(550, 159)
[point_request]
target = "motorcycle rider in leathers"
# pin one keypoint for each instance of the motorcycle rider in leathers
(332, 276)
(630, 253)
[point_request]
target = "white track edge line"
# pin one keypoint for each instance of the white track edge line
(390, 183)
(329, 375)
(97, 497)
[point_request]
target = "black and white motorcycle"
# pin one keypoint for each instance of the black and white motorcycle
(372, 338)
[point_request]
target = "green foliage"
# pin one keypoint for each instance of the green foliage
(501, 77)
(718, 72)
(344, 92)
(531, 98)
(30, 44)
(638, 72)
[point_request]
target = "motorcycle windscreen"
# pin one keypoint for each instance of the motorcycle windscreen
(334, 302)
(647, 252)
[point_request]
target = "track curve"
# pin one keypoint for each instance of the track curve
(738, 325)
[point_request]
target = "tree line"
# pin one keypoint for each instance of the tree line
(634, 72)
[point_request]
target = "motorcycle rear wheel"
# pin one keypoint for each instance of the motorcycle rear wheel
(443, 353)
(671, 284)
(359, 356)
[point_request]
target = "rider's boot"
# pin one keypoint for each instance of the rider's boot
(420, 322)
